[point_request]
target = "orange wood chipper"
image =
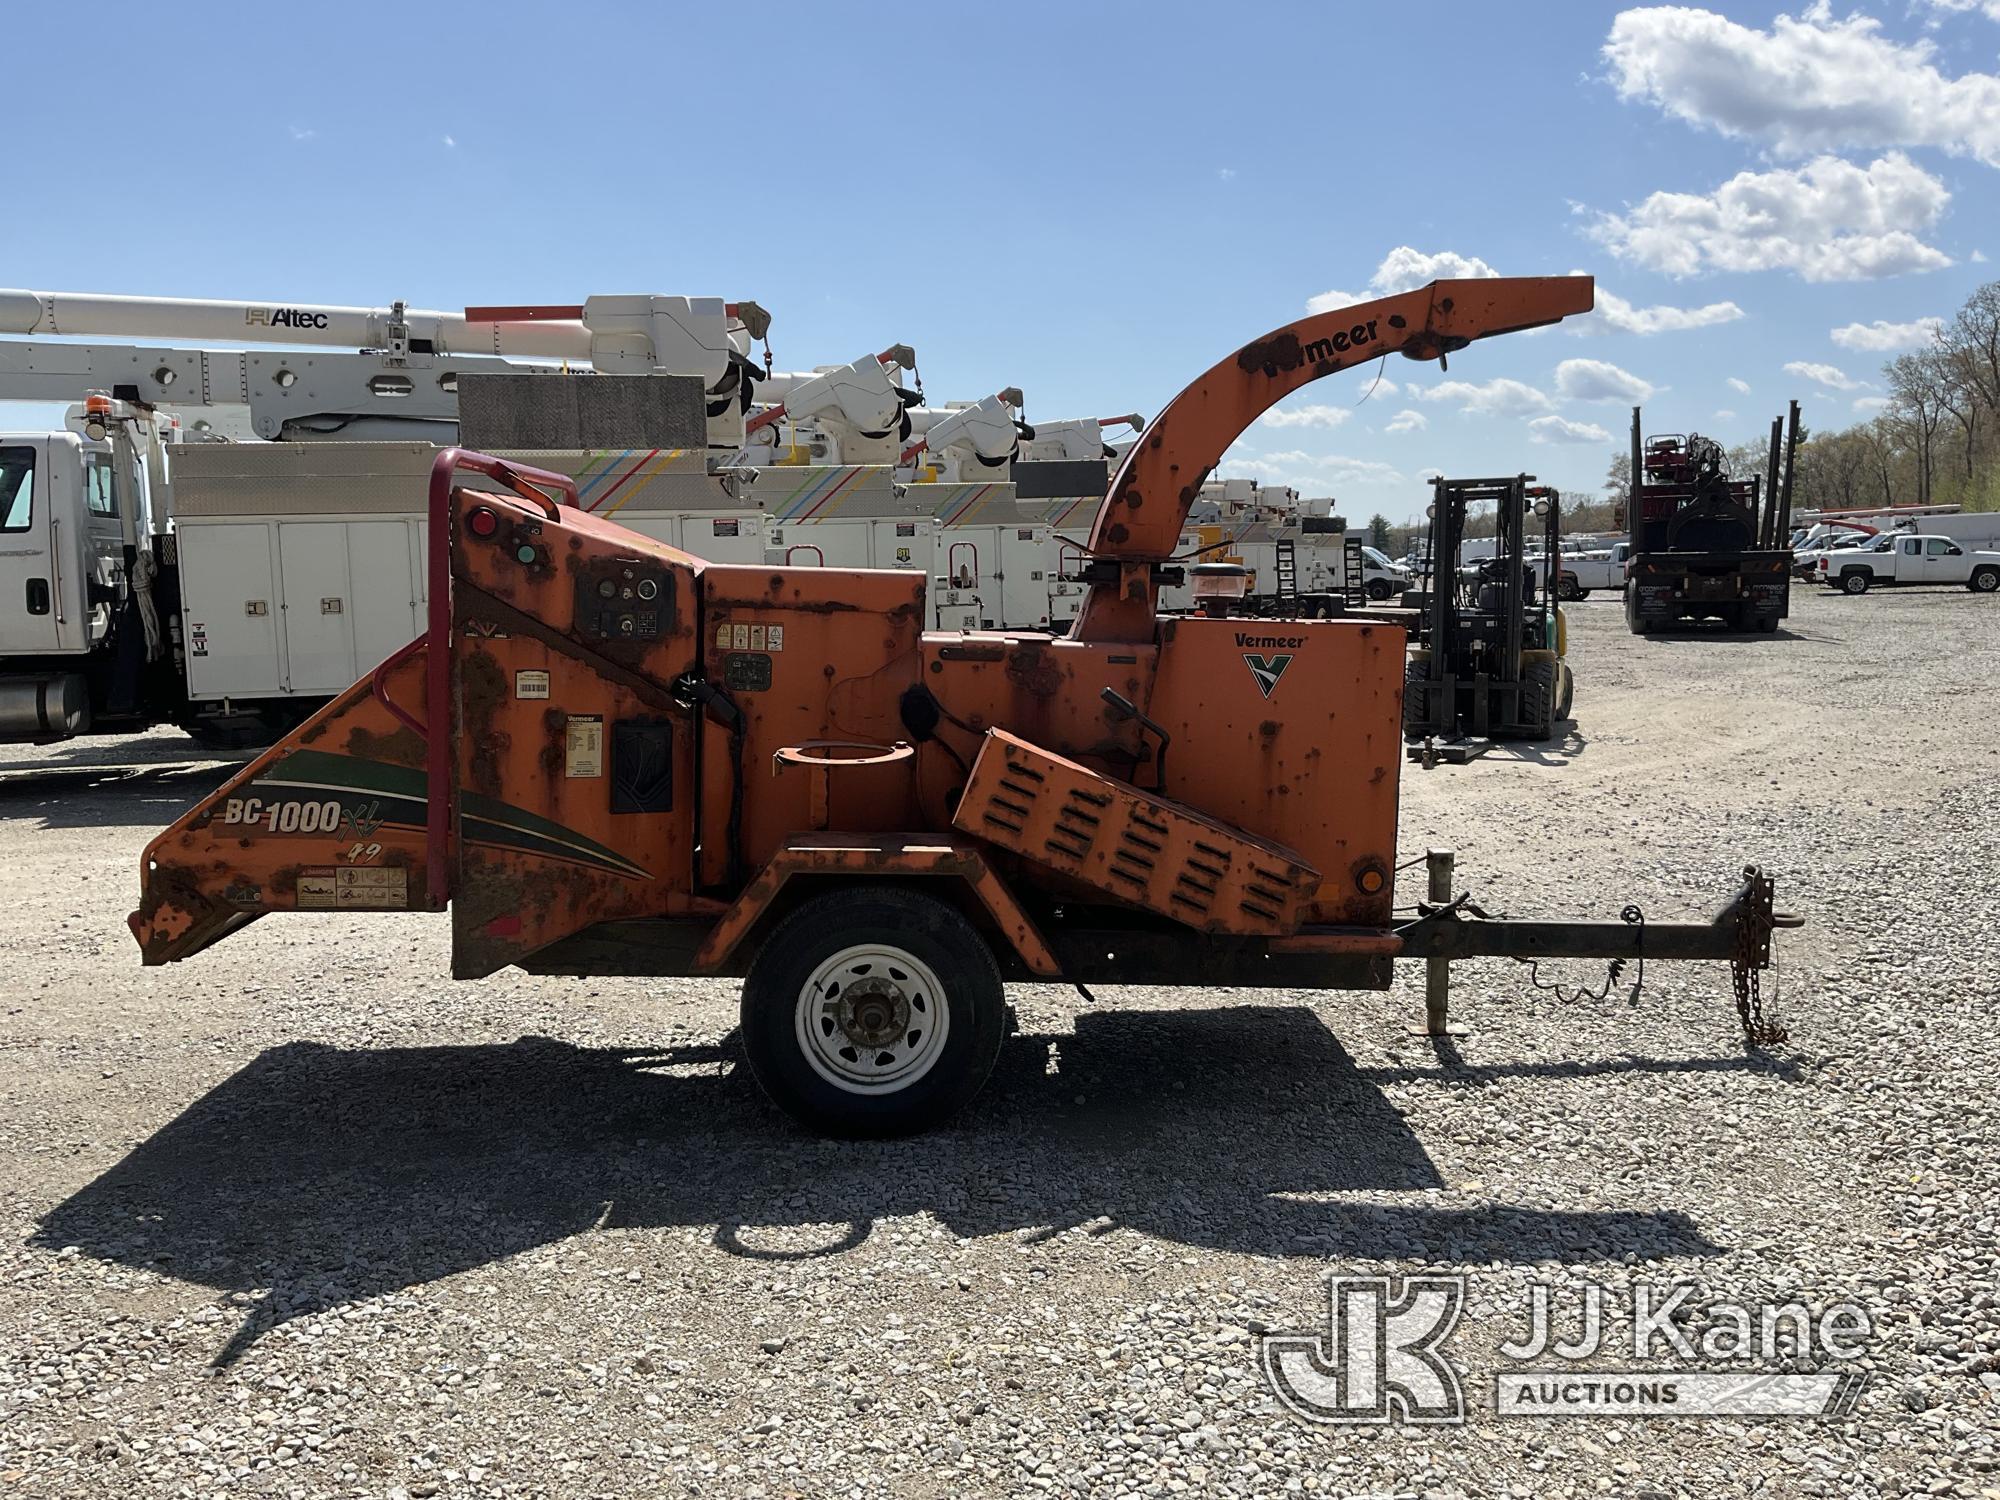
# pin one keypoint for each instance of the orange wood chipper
(610, 757)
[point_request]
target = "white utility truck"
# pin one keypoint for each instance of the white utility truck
(1583, 572)
(1902, 558)
(114, 601)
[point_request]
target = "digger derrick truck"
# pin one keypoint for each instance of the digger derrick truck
(608, 756)
(1706, 543)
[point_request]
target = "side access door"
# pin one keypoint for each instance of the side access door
(1909, 562)
(107, 493)
(34, 619)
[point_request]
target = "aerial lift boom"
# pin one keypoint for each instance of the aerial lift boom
(610, 756)
(385, 372)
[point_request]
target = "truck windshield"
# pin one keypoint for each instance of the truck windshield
(17, 488)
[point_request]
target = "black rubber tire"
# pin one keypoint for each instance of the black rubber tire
(1984, 580)
(1379, 589)
(928, 930)
(1633, 621)
(1415, 667)
(1855, 582)
(1540, 690)
(1567, 590)
(1767, 624)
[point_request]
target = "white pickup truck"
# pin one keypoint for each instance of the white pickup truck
(1584, 571)
(1901, 558)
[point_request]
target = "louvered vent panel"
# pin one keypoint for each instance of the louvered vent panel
(1137, 847)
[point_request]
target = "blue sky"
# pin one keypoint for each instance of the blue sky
(1091, 202)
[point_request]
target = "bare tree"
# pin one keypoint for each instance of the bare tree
(1916, 387)
(1833, 467)
(1958, 390)
(1878, 440)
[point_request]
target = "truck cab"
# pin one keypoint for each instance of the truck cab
(63, 577)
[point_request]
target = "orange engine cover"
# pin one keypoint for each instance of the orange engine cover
(1291, 730)
(1139, 848)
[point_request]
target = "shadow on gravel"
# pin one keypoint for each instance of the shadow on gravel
(106, 796)
(328, 1175)
(1709, 635)
(1450, 1067)
(1556, 752)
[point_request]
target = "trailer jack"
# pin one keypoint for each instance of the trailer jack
(1451, 927)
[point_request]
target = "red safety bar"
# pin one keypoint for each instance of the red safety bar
(530, 485)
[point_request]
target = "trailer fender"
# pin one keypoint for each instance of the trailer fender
(879, 856)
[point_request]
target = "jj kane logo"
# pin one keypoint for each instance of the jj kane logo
(1380, 1357)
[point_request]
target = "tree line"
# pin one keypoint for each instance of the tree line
(1936, 440)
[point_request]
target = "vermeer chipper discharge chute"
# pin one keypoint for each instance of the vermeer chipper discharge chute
(610, 757)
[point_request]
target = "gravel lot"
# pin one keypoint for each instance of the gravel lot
(301, 1218)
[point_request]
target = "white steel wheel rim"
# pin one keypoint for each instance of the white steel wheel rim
(872, 1019)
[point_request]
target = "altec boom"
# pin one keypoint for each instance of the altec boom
(610, 756)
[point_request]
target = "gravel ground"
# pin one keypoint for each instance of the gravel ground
(301, 1218)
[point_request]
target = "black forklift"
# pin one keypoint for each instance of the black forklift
(1488, 661)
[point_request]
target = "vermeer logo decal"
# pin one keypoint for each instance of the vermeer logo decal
(1267, 670)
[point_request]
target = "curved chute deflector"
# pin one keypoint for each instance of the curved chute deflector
(1139, 523)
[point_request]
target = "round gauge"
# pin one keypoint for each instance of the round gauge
(607, 590)
(649, 588)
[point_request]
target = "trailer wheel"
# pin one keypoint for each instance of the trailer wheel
(873, 1011)
(1854, 581)
(1984, 580)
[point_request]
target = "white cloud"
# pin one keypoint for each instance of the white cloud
(1725, 415)
(1810, 83)
(1553, 429)
(1828, 221)
(301, 132)
(1988, 8)
(1599, 380)
(1615, 313)
(1831, 376)
(1741, 387)
(1867, 406)
(1302, 470)
(1407, 420)
(1404, 269)
(449, 141)
(1226, 174)
(1499, 397)
(1881, 336)
(1308, 416)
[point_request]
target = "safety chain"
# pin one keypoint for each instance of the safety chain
(1758, 1029)
(1754, 925)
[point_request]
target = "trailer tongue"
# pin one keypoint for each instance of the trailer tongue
(609, 756)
